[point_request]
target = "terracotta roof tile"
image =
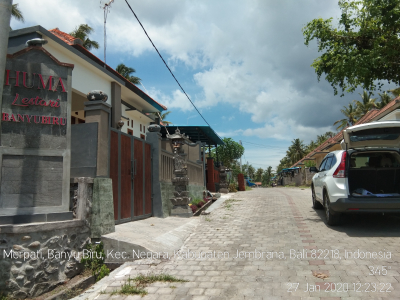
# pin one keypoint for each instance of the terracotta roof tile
(368, 117)
(69, 39)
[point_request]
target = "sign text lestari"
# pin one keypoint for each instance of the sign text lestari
(38, 83)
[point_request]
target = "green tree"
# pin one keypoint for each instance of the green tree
(259, 174)
(82, 32)
(296, 151)
(363, 49)
(350, 113)
(266, 178)
(311, 146)
(228, 152)
(365, 105)
(283, 163)
(385, 99)
(163, 117)
(16, 13)
(251, 171)
(126, 72)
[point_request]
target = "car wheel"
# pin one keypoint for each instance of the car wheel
(332, 218)
(315, 203)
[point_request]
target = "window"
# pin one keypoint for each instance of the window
(328, 164)
(144, 129)
(140, 127)
(132, 123)
(322, 165)
(130, 131)
(142, 137)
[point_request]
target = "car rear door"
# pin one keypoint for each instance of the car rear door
(318, 178)
(377, 134)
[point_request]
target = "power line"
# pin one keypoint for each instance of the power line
(165, 62)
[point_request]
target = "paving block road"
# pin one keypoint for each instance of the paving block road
(286, 251)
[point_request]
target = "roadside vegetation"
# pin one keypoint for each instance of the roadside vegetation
(137, 285)
(361, 49)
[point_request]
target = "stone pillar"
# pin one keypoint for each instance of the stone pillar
(223, 184)
(5, 15)
(210, 175)
(242, 185)
(98, 111)
(116, 104)
(153, 137)
(180, 181)
(102, 212)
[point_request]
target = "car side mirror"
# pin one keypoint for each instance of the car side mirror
(313, 170)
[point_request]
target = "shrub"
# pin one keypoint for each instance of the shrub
(95, 261)
(232, 188)
(194, 208)
(201, 203)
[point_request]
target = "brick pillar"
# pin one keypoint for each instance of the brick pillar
(242, 186)
(210, 175)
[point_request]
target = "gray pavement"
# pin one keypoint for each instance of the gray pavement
(286, 251)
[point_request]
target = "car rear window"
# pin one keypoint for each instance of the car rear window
(375, 160)
(391, 133)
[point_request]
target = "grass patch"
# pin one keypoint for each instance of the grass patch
(3, 297)
(207, 219)
(136, 285)
(128, 289)
(144, 280)
(172, 287)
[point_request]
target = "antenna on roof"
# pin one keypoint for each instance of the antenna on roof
(106, 9)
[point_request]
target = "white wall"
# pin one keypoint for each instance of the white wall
(85, 77)
(136, 122)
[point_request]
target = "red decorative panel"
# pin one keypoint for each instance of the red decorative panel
(126, 181)
(147, 159)
(114, 170)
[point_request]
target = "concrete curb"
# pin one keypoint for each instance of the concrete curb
(219, 202)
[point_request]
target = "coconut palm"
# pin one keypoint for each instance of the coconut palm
(395, 92)
(364, 106)
(16, 13)
(126, 72)
(82, 32)
(350, 113)
(311, 146)
(163, 117)
(385, 99)
(296, 151)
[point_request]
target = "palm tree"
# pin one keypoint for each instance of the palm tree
(16, 13)
(296, 151)
(82, 32)
(395, 92)
(351, 117)
(311, 146)
(385, 99)
(126, 72)
(163, 117)
(366, 105)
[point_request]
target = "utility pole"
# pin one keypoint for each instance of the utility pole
(106, 9)
(240, 142)
(5, 16)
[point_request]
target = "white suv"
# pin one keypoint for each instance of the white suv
(364, 176)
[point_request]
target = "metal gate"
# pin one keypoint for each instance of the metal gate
(130, 171)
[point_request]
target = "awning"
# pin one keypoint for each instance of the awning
(204, 134)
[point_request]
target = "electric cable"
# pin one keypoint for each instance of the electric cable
(165, 62)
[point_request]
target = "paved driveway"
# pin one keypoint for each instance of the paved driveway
(287, 252)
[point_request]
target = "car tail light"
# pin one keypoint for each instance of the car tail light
(341, 169)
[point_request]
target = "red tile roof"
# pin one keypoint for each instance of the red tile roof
(69, 39)
(372, 115)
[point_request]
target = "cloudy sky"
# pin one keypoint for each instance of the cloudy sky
(243, 63)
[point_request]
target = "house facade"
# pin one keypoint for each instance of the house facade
(130, 106)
